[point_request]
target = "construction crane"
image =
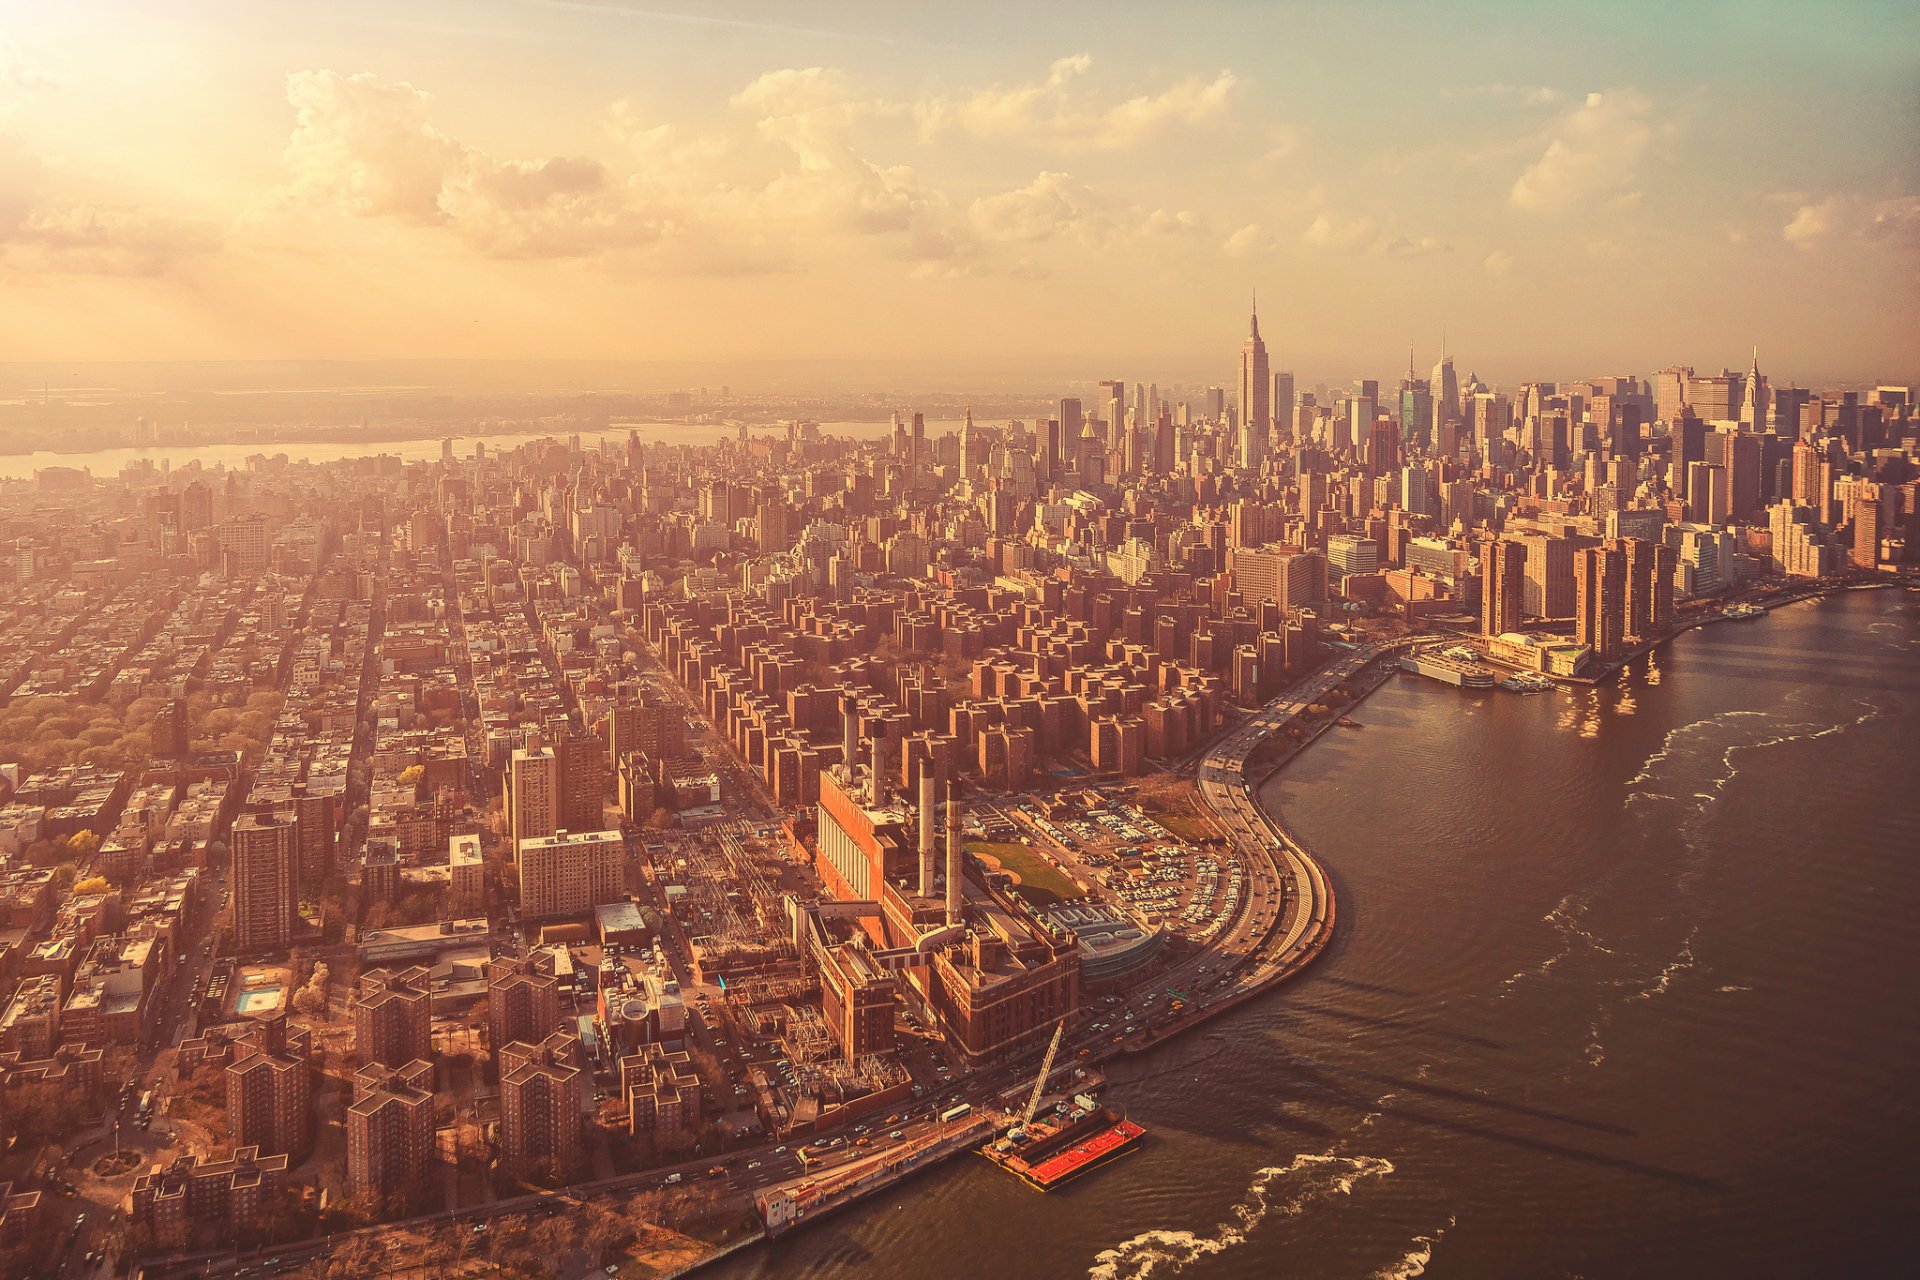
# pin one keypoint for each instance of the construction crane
(1046, 1069)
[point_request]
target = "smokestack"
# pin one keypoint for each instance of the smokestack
(849, 740)
(953, 853)
(929, 818)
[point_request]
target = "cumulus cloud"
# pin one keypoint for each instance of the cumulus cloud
(1247, 241)
(367, 147)
(1851, 216)
(1498, 263)
(1054, 112)
(1593, 151)
(1169, 222)
(1049, 205)
(1331, 233)
(1348, 234)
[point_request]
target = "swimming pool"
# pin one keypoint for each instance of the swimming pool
(259, 1000)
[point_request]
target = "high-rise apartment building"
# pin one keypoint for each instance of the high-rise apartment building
(1549, 581)
(1600, 601)
(266, 882)
(533, 793)
(390, 1146)
(541, 1105)
(523, 1001)
(1288, 576)
(269, 1083)
(1650, 569)
(583, 783)
(571, 872)
(1503, 586)
(393, 1017)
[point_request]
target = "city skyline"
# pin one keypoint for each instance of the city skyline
(221, 182)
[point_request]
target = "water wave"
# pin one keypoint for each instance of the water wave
(1414, 1262)
(1654, 785)
(1316, 1177)
(1565, 918)
(1681, 962)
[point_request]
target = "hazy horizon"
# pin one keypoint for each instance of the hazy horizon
(1560, 191)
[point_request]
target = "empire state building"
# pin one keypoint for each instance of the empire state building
(1255, 412)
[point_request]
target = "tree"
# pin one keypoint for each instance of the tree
(92, 884)
(84, 843)
(312, 998)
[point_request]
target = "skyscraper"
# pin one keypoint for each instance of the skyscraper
(1649, 576)
(1600, 600)
(1753, 397)
(1361, 407)
(1282, 406)
(1503, 586)
(972, 455)
(1444, 387)
(1255, 409)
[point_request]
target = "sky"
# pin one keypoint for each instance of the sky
(1550, 189)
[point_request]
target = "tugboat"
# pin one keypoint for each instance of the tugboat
(1742, 612)
(1048, 1152)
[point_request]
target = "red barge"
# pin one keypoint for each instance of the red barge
(1048, 1153)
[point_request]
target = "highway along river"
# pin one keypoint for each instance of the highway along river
(1623, 985)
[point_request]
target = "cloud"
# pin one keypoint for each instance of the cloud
(1284, 141)
(42, 232)
(1499, 263)
(1593, 151)
(1412, 246)
(17, 72)
(1049, 205)
(1053, 113)
(1532, 95)
(1330, 233)
(367, 148)
(1846, 215)
(92, 239)
(1346, 235)
(1247, 241)
(1168, 222)
(809, 110)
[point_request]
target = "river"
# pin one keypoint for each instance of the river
(105, 464)
(1623, 985)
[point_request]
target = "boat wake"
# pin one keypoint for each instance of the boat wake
(1687, 751)
(1682, 962)
(1414, 1263)
(1309, 1177)
(1565, 918)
